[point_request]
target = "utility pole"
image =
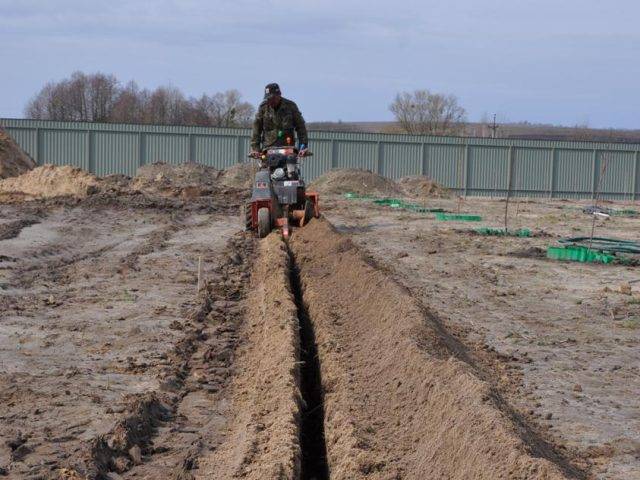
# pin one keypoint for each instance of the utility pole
(494, 127)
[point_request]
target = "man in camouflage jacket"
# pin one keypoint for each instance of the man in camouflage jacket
(276, 121)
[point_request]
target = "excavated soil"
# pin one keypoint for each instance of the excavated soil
(560, 339)
(363, 182)
(419, 186)
(13, 161)
(402, 398)
(263, 435)
(49, 181)
(238, 176)
(187, 180)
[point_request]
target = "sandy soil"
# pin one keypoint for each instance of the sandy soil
(362, 182)
(561, 338)
(263, 438)
(50, 181)
(395, 347)
(401, 398)
(93, 303)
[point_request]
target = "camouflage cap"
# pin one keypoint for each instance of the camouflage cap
(272, 90)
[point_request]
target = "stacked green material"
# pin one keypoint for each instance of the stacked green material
(522, 232)
(355, 196)
(605, 244)
(389, 202)
(625, 213)
(397, 203)
(579, 254)
(459, 217)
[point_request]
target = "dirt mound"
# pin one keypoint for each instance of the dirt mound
(421, 186)
(13, 161)
(238, 176)
(263, 440)
(401, 397)
(188, 179)
(50, 181)
(362, 182)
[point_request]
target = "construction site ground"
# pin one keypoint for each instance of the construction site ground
(377, 343)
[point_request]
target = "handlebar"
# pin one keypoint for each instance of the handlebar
(258, 155)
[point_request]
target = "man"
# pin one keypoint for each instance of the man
(276, 121)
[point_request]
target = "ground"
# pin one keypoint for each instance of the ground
(566, 334)
(149, 337)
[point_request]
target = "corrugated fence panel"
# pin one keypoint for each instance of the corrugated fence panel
(445, 164)
(488, 169)
(531, 170)
(615, 173)
(166, 148)
(115, 152)
(27, 138)
(574, 170)
(219, 152)
(320, 162)
(401, 159)
(65, 148)
(475, 166)
(357, 155)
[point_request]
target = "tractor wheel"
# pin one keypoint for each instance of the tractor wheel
(246, 217)
(264, 222)
(308, 211)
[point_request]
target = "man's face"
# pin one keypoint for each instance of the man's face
(274, 101)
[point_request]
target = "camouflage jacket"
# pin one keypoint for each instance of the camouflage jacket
(274, 126)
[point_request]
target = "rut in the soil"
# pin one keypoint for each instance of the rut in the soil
(312, 438)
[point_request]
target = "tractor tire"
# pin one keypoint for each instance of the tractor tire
(264, 222)
(308, 211)
(246, 217)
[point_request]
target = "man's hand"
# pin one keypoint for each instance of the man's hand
(255, 154)
(304, 151)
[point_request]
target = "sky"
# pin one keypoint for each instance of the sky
(562, 62)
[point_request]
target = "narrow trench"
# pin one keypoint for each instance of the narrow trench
(312, 440)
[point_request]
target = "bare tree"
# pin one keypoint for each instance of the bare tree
(101, 98)
(223, 109)
(423, 112)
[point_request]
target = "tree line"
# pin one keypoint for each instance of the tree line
(100, 97)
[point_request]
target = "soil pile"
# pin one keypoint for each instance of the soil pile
(420, 186)
(50, 181)
(263, 440)
(401, 397)
(238, 176)
(13, 161)
(189, 180)
(362, 182)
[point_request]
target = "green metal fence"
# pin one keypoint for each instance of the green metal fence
(472, 166)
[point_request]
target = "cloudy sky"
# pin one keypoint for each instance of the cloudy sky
(552, 61)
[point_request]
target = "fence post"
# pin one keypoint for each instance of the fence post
(190, 149)
(594, 174)
(636, 168)
(466, 169)
(91, 162)
(380, 160)
(240, 146)
(423, 153)
(552, 173)
(334, 153)
(509, 171)
(37, 152)
(141, 149)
